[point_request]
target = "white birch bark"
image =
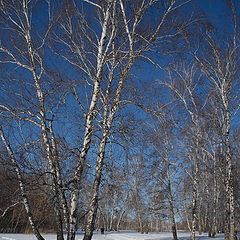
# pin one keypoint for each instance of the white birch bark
(215, 199)
(21, 186)
(171, 205)
(120, 219)
(35, 68)
(89, 126)
(189, 103)
(44, 129)
(222, 78)
(112, 213)
(108, 117)
(230, 206)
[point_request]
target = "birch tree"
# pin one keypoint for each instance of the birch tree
(163, 169)
(26, 54)
(183, 85)
(21, 186)
(134, 51)
(221, 70)
(113, 52)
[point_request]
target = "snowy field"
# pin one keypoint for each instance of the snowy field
(114, 236)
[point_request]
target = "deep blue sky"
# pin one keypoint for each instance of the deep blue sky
(69, 121)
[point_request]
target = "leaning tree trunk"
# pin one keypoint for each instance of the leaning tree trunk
(21, 186)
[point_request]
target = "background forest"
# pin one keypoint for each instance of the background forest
(119, 114)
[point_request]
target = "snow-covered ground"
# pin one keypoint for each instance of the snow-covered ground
(114, 236)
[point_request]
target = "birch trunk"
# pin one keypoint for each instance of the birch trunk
(195, 183)
(112, 214)
(88, 130)
(187, 218)
(21, 186)
(194, 208)
(200, 220)
(59, 180)
(94, 200)
(47, 144)
(173, 222)
(108, 116)
(215, 199)
(120, 219)
(107, 122)
(44, 129)
(140, 223)
(35, 67)
(171, 206)
(230, 208)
